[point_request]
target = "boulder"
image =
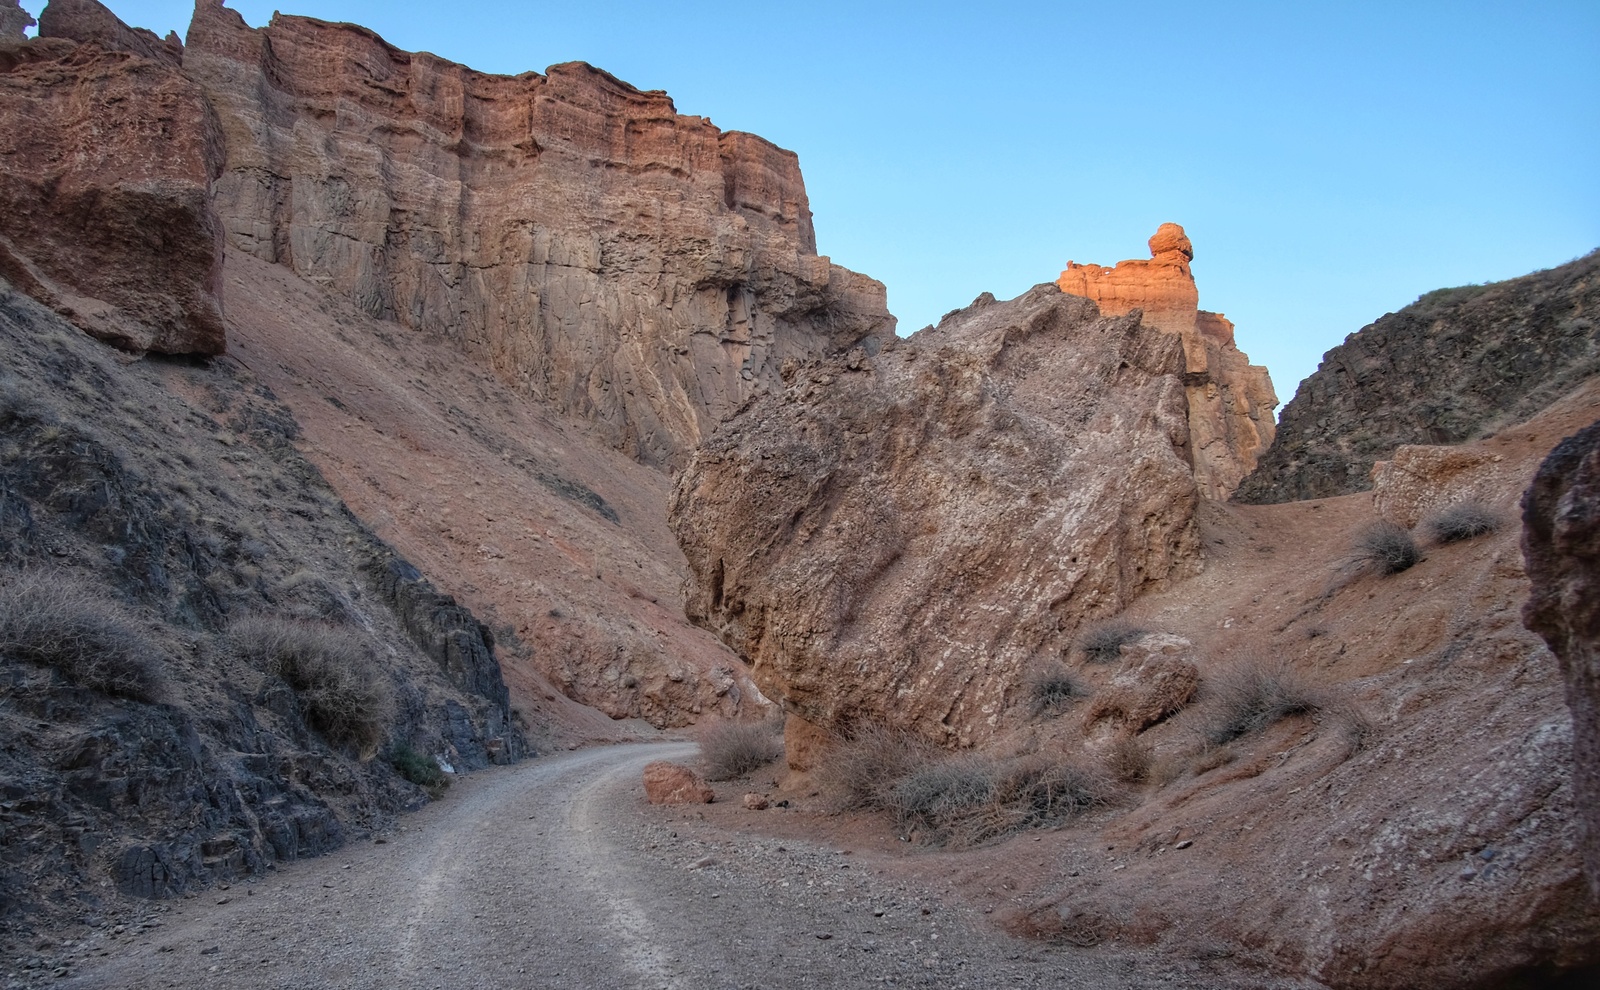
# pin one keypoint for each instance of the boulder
(897, 537)
(1230, 400)
(637, 268)
(756, 802)
(1561, 547)
(1157, 678)
(1419, 481)
(106, 159)
(674, 783)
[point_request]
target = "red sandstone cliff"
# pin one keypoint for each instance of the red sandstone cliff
(632, 266)
(106, 161)
(1230, 399)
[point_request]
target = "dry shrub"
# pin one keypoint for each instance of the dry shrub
(733, 749)
(1128, 760)
(1463, 521)
(1052, 689)
(966, 800)
(862, 769)
(56, 619)
(1103, 641)
(343, 693)
(1386, 548)
(1255, 694)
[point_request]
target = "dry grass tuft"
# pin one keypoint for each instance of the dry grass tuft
(1386, 548)
(862, 769)
(1052, 689)
(1255, 694)
(343, 693)
(1463, 521)
(1103, 641)
(967, 800)
(733, 749)
(1128, 760)
(58, 620)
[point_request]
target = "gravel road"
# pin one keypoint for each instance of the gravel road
(554, 873)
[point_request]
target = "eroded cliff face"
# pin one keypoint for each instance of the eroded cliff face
(1230, 400)
(13, 21)
(1456, 365)
(106, 161)
(630, 265)
(896, 538)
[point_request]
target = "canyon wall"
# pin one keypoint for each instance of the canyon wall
(1230, 400)
(106, 161)
(901, 537)
(629, 265)
(1455, 365)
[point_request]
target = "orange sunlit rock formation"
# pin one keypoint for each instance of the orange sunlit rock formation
(1230, 399)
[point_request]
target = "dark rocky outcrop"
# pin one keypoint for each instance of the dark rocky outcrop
(172, 491)
(1561, 544)
(1456, 365)
(13, 21)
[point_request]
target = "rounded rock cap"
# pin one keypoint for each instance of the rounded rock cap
(1169, 238)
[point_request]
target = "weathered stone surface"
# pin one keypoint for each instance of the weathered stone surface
(90, 22)
(673, 783)
(1561, 547)
(804, 743)
(106, 157)
(1230, 399)
(13, 21)
(1455, 365)
(635, 267)
(756, 802)
(1419, 481)
(898, 537)
(1157, 678)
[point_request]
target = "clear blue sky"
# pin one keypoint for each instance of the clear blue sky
(1331, 160)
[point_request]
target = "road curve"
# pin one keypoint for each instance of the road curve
(550, 874)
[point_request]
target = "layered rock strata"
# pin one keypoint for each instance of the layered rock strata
(1456, 365)
(1561, 544)
(896, 538)
(635, 267)
(1230, 400)
(106, 162)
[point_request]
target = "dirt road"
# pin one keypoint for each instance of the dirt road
(554, 874)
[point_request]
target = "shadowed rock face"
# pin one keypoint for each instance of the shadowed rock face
(106, 157)
(1230, 399)
(896, 537)
(13, 21)
(1456, 365)
(1561, 544)
(633, 266)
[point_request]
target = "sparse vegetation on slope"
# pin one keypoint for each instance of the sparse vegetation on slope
(1386, 549)
(733, 749)
(1103, 641)
(1463, 521)
(1253, 695)
(342, 691)
(56, 619)
(1052, 689)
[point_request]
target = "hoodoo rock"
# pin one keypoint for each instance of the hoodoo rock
(1230, 399)
(106, 162)
(1456, 365)
(1561, 544)
(631, 266)
(899, 537)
